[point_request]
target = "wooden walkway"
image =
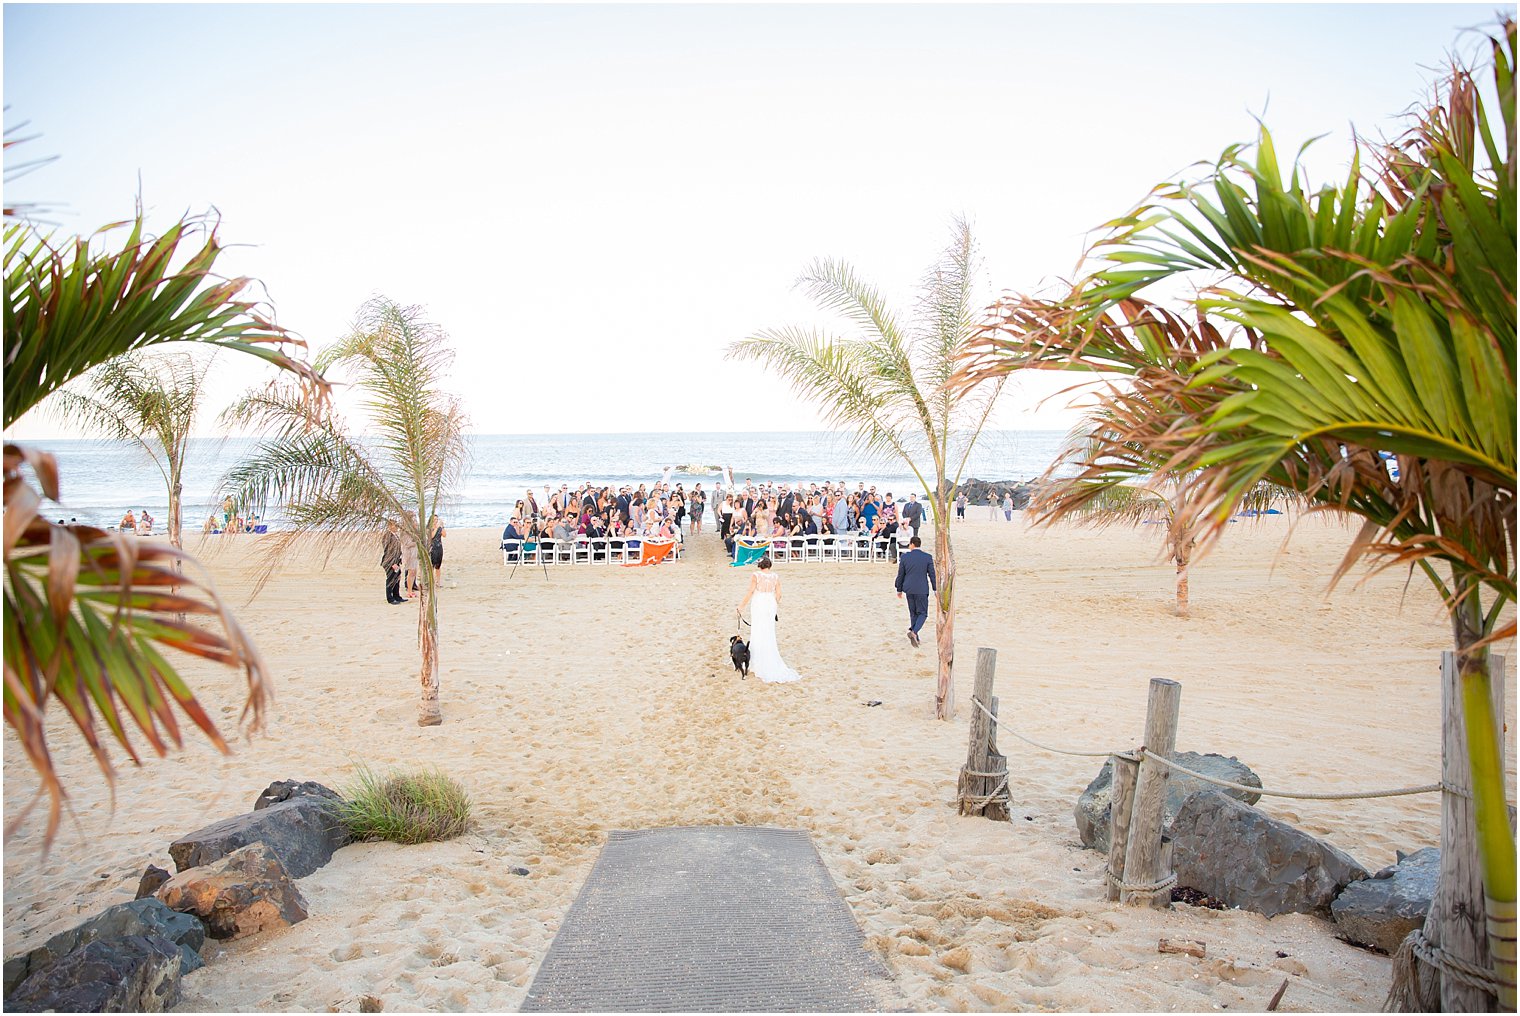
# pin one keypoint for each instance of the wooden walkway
(705, 919)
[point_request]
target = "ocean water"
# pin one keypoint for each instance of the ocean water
(100, 480)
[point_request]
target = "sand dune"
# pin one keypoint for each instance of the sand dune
(597, 698)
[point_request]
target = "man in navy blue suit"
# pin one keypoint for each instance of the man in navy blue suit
(915, 577)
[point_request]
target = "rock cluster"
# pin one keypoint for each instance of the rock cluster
(235, 879)
(1227, 851)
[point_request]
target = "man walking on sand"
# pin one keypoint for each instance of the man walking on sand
(913, 513)
(915, 578)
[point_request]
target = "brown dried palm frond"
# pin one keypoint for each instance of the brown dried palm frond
(87, 615)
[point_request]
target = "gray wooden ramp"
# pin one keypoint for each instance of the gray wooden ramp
(708, 919)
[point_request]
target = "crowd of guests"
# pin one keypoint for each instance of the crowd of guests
(649, 512)
(770, 511)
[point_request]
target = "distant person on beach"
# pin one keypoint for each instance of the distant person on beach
(1008, 505)
(726, 517)
(227, 509)
(145, 524)
(765, 660)
(390, 561)
(436, 533)
(991, 505)
(915, 579)
(210, 526)
(960, 506)
(696, 505)
(409, 574)
(129, 522)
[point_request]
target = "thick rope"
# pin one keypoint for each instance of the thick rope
(1037, 744)
(1455, 967)
(1348, 795)
(1000, 793)
(1139, 887)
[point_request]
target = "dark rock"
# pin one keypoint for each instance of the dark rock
(1094, 804)
(152, 878)
(1381, 910)
(138, 973)
(242, 894)
(1234, 853)
(519, 871)
(139, 917)
(976, 492)
(284, 790)
(303, 832)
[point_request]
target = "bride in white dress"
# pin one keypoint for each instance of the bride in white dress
(765, 660)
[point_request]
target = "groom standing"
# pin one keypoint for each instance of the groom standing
(915, 577)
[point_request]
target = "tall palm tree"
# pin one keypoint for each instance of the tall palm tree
(340, 488)
(149, 401)
(1377, 315)
(889, 386)
(87, 612)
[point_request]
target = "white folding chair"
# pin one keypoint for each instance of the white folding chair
(632, 552)
(812, 548)
(581, 552)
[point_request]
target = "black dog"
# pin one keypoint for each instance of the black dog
(739, 653)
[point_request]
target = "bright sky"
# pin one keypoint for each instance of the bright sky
(596, 200)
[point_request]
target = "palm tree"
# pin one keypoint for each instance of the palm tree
(1113, 479)
(87, 612)
(889, 386)
(340, 488)
(1377, 315)
(150, 401)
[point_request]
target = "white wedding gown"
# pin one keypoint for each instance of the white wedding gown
(765, 660)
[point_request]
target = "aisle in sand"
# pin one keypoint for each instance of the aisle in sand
(710, 918)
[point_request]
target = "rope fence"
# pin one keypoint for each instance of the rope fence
(1304, 795)
(1139, 868)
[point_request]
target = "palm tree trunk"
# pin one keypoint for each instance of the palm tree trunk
(176, 524)
(1183, 556)
(944, 614)
(176, 533)
(429, 713)
(1496, 844)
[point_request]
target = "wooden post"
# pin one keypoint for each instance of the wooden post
(1142, 855)
(1121, 805)
(982, 756)
(1456, 921)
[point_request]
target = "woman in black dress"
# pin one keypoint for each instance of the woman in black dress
(436, 533)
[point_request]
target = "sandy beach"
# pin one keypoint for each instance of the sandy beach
(599, 698)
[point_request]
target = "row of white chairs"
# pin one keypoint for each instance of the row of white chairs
(843, 547)
(590, 550)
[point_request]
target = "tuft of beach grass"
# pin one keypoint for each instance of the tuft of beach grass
(405, 807)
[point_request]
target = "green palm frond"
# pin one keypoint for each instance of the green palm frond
(90, 613)
(73, 304)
